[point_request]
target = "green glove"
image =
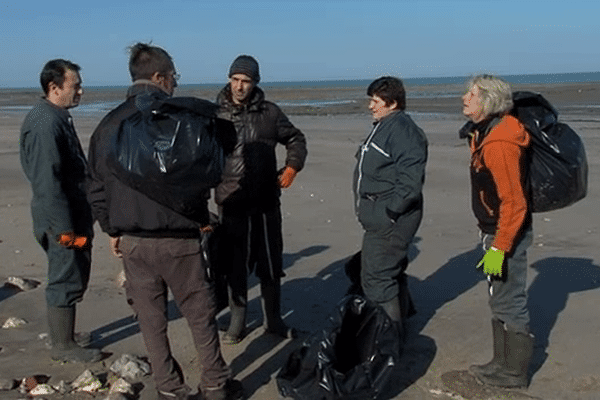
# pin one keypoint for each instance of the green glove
(492, 262)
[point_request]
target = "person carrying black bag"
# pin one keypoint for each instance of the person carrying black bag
(500, 202)
(160, 247)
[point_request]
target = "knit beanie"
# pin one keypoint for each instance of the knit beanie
(246, 65)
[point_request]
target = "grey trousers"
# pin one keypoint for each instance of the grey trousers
(508, 295)
(152, 266)
(68, 272)
(385, 257)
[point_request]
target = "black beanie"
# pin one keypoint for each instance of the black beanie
(246, 65)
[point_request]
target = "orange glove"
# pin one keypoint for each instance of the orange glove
(71, 240)
(286, 177)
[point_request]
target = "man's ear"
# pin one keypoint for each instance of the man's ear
(156, 78)
(394, 105)
(52, 86)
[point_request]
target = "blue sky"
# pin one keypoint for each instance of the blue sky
(302, 40)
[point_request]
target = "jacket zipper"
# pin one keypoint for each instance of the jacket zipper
(363, 150)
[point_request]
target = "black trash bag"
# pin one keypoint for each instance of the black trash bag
(214, 268)
(353, 360)
(558, 167)
(173, 151)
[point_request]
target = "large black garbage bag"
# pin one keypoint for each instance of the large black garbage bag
(558, 167)
(173, 151)
(352, 360)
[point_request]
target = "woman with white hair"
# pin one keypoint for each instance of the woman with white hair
(498, 143)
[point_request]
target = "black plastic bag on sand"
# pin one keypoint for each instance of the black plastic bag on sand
(352, 360)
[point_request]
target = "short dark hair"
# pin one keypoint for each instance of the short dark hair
(389, 89)
(54, 71)
(145, 60)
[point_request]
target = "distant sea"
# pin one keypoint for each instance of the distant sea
(452, 80)
(448, 87)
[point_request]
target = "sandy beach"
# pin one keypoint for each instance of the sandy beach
(452, 327)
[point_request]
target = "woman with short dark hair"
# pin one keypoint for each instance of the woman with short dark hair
(388, 184)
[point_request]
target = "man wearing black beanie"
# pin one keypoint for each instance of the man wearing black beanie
(248, 197)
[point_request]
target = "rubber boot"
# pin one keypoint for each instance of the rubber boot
(271, 304)
(499, 337)
(518, 350)
(394, 311)
(61, 325)
(237, 324)
(407, 306)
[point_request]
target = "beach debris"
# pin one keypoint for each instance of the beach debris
(116, 396)
(41, 389)
(120, 385)
(63, 387)
(86, 382)
(13, 322)
(22, 283)
(7, 384)
(30, 382)
(130, 366)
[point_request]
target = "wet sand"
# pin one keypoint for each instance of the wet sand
(452, 327)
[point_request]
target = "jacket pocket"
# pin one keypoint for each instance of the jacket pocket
(372, 214)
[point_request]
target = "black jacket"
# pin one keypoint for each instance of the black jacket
(118, 208)
(250, 177)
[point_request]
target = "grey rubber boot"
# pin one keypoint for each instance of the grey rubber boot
(61, 325)
(518, 350)
(271, 304)
(499, 337)
(237, 323)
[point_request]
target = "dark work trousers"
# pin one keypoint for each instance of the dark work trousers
(68, 272)
(384, 257)
(250, 243)
(508, 295)
(152, 266)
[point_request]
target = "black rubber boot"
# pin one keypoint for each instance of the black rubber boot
(61, 325)
(518, 349)
(407, 306)
(271, 304)
(232, 390)
(499, 337)
(394, 311)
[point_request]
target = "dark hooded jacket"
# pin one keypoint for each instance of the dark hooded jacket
(250, 176)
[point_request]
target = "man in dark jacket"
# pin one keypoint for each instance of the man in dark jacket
(248, 196)
(54, 163)
(159, 247)
(388, 184)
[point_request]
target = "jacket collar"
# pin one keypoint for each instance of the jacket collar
(257, 97)
(62, 112)
(144, 86)
(388, 116)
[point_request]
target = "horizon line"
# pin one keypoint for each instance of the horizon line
(324, 80)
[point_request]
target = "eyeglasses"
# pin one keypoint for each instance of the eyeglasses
(173, 75)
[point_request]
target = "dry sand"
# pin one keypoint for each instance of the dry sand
(452, 327)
